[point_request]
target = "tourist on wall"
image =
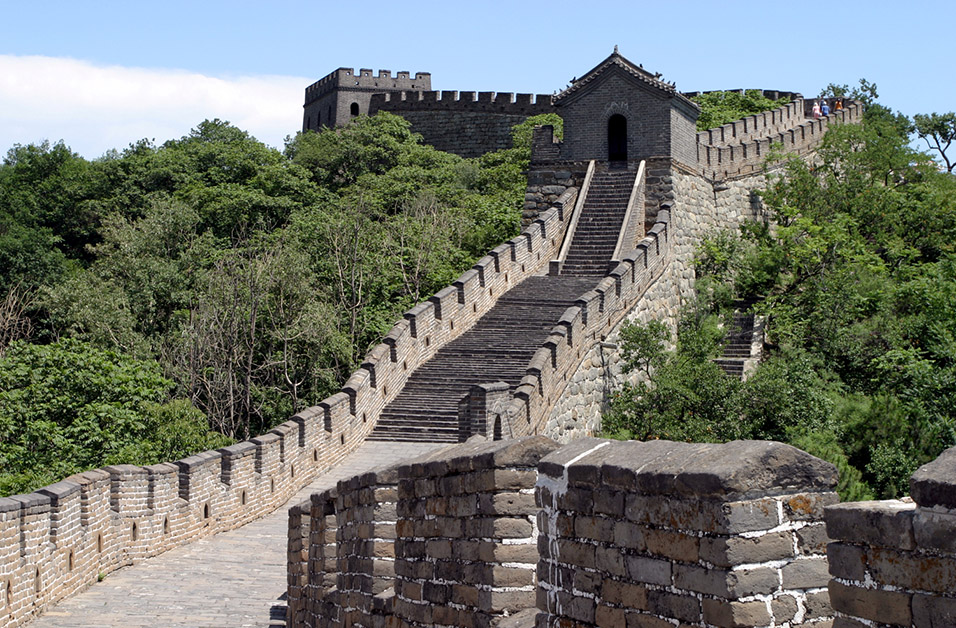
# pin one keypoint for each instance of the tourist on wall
(816, 110)
(824, 108)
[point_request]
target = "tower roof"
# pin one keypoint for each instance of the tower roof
(618, 63)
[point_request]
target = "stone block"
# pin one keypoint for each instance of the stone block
(609, 617)
(728, 614)
(810, 573)
(649, 570)
(671, 544)
(624, 594)
(736, 550)
(725, 583)
(935, 530)
(683, 607)
(846, 561)
(812, 539)
(818, 605)
(629, 535)
(879, 523)
(808, 506)
(933, 611)
(594, 528)
(511, 528)
(784, 608)
(912, 571)
(934, 484)
(886, 607)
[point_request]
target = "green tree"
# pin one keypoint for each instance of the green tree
(938, 130)
(68, 406)
(719, 108)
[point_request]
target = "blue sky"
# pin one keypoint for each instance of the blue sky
(103, 74)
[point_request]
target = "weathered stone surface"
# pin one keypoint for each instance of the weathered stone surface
(881, 523)
(934, 484)
(935, 530)
(887, 607)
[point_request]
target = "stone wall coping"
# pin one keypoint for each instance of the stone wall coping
(479, 454)
(887, 523)
(934, 484)
(739, 469)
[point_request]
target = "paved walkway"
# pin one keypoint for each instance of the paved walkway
(230, 580)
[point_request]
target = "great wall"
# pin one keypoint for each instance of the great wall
(533, 522)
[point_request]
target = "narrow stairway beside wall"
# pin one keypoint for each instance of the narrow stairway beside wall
(498, 348)
(600, 224)
(737, 343)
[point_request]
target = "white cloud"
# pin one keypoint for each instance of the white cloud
(95, 108)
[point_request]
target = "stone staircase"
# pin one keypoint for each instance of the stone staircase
(737, 343)
(498, 348)
(600, 224)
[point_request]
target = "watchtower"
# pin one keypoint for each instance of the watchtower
(620, 112)
(344, 94)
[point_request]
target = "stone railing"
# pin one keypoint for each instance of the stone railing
(632, 227)
(66, 536)
(893, 563)
(558, 261)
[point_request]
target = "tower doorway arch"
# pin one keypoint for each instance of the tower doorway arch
(617, 138)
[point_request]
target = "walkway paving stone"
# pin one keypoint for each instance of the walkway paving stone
(230, 580)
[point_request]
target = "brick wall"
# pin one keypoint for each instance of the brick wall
(469, 124)
(661, 533)
(596, 533)
(893, 563)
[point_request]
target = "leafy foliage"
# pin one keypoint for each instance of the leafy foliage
(246, 282)
(720, 108)
(68, 406)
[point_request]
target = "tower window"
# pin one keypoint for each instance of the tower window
(354, 109)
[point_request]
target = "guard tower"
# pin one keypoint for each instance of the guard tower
(344, 94)
(619, 112)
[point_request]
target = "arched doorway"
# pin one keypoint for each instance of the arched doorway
(617, 138)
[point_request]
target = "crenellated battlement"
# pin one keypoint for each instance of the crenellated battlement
(366, 80)
(741, 148)
(488, 102)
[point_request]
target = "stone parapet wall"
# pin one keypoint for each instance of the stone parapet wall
(893, 563)
(718, 162)
(342, 554)
(595, 533)
(62, 538)
(468, 124)
(758, 125)
(449, 539)
(661, 533)
(466, 546)
(488, 102)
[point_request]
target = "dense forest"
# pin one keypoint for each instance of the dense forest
(854, 270)
(167, 299)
